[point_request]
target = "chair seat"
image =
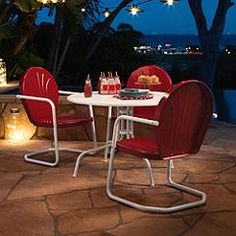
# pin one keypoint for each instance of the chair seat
(143, 147)
(66, 121)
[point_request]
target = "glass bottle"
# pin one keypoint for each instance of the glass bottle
(88, 87)
(111, 84)
(117, 83)
(99, 82)
(104, 85)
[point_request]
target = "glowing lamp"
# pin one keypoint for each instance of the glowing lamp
(106, 13)
(51, 1)
(3, 73)
(169, 2)
(134, 10)
(18, 128)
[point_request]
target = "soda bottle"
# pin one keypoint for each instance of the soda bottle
(88, 87)
(99, 82)
(111, 84)
(104, 85)
(117, 83)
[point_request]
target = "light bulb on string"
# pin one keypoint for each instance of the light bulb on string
(106, 13)
(169, 2)
(45, 2)
(134, 10)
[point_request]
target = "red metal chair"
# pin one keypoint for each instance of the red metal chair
(39, 94)
(164, 86)
(181, 121)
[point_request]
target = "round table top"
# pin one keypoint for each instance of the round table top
(110, 100)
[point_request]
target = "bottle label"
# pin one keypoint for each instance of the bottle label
(118, 87)
(112, 89)
(104, 89)
(87, 90)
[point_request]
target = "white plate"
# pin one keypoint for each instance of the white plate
(134, 92)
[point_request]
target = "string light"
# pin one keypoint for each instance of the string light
(51, 1)
(134, 10)
(169, 2)
(106, 13)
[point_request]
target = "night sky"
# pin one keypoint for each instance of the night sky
(158, 18)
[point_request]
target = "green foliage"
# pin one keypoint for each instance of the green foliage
(21, 62)
(16, 29)
(27, 6)
(115, 53)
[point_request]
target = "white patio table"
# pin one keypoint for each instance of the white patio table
(124, 107)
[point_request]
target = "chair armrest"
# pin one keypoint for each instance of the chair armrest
(138, 120)
(66, 92)
(129, 118)
(42, 99)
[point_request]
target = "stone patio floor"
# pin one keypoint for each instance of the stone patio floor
(39, 200)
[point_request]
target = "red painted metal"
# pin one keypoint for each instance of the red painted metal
(37, 81)
(183, 118)
(164, 86)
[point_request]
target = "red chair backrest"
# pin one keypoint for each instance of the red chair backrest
(38, 82)
(150, 70)
(184, 118)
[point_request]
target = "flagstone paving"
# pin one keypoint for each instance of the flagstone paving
(48, 201)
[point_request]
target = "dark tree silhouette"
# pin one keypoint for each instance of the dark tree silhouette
(209, 38)
(103, 28)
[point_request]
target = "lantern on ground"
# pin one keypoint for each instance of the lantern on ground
(17, 126)
(3, 73)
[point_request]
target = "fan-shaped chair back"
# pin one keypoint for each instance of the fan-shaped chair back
(38, 82)
(164, 78)
(164, 86)
(184, 118)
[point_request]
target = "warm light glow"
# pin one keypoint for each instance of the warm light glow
(16, 136)
(106, 13)
(83, 9)
(18, 128)
(169, 2)
(51, 1)
(134, 10)
(3, 73)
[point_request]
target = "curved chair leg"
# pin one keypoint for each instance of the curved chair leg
(55, 149)
(28, 158)
(149, 171)
(154, 208)
(89, 151)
